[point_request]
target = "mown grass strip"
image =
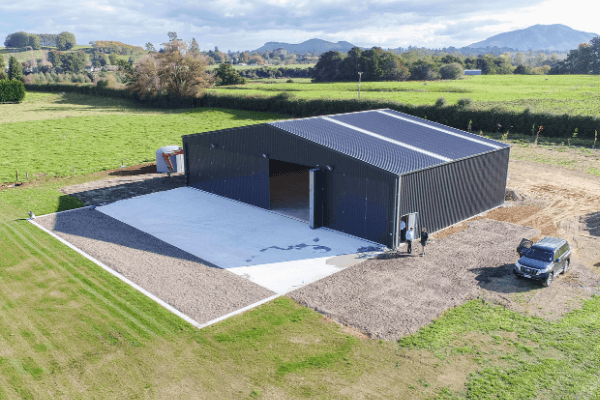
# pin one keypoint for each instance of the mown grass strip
(100, 296)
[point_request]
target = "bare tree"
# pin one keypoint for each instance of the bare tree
(177, 70)
(147, 81)
(181, 72)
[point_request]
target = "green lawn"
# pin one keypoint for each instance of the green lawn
(575, 94)
(70, 330)
(51, 135)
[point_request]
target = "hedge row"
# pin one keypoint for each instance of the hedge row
(164, 101)
(11, 91)
(455, 116)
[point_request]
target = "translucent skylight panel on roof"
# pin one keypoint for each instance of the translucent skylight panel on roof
(456, 131)
(420, 136)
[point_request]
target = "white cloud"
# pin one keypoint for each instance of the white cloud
(247, 24)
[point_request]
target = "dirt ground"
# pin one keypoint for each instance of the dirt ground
(397, 294)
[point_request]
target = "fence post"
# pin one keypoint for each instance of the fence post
(17, 178)
(27, 175)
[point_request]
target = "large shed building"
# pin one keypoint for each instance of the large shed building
(360, 173)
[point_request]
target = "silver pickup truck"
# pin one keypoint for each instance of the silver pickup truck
(543, 260)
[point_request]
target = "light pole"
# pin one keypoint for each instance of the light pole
(359, 76)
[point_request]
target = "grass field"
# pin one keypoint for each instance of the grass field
(61, 135)
(21, 56)
(55, 134)
(70, 330)
(574, 94)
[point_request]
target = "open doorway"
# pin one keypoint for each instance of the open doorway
(410, 221)
(289, 188)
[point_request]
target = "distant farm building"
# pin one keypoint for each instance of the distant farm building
(472, 72)
(360, 173)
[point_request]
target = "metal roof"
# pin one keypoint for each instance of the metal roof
(550, 243)
(390, 140)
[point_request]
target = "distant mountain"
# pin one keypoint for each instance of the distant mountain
(538, 37)
(312, 45)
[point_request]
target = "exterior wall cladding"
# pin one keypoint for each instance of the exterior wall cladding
(449, 193)
(361, 200)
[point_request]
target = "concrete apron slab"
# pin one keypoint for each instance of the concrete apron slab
(271, 250)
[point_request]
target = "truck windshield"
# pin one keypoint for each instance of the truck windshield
(538, 254)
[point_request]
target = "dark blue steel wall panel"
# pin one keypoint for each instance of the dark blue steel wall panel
(419, 136)
(373, 151)
(447, 194)
(376, 219)
(350, 206)
(360, 199)
(222, 170)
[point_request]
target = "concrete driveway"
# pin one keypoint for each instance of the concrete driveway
(269, 249)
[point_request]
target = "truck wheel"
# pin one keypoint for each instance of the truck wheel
(548, 280)
(564, 271)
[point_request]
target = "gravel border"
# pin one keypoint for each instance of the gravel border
(198, 289)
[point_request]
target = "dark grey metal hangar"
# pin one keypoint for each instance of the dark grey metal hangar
(360, 173)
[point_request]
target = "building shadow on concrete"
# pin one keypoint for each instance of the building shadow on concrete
(90, 230)
(95, 193)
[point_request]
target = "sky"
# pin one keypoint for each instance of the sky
(248, 24)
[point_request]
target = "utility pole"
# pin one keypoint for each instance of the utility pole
(359, 76)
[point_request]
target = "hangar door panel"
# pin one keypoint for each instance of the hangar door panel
(317, 198)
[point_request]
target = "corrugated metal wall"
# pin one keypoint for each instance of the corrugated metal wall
(216, 166)
(361, 199)
(447, 194)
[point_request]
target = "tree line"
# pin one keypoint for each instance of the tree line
(583, 60)
(63, 40)
(115, 47)
(275, 72)
(11, 83)
(376, 64)
(15, 70)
